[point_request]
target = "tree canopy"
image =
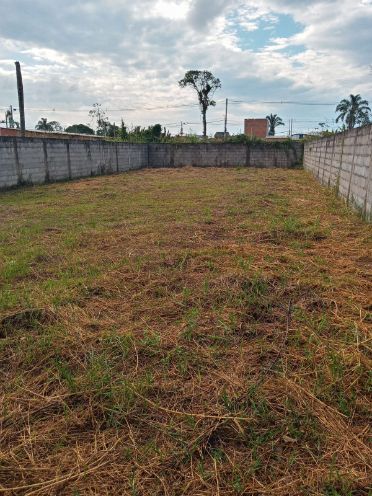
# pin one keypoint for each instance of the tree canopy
(108, 128)
(353, 111)
(79, 129)
(274, 121)
(148, 134)
(44, 125)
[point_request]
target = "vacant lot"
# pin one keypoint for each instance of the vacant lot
(184, 332)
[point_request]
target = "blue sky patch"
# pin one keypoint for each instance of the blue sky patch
(269, 28)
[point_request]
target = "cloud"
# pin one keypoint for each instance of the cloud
(171, 9)
(129, 54)
(204, 12)
(331, 25)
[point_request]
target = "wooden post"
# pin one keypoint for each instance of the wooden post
(21, 100)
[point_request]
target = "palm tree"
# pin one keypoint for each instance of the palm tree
(44, 125)
(353, 111)
(274, 121)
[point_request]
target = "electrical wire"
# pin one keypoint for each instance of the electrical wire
(282, 102)
(186, 105)
(32, 109)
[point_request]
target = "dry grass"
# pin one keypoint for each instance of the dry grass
(184, 332)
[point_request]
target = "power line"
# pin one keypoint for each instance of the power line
(176, 106)
(31, 109)
(282, 102)
(194, 123)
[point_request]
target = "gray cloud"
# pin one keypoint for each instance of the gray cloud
(203, 12)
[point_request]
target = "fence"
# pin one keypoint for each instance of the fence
(344, 161)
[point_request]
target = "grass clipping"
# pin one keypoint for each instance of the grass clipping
(184, 332)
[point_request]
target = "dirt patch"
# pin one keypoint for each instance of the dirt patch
(25, 320)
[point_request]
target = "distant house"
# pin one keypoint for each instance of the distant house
(299, 136)
(257, 128)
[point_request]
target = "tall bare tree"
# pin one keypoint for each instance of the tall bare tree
(205, 85)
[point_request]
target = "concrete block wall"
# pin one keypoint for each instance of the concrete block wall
(37, 161)
(274, 156)
(197, 155)
(131, 156)
(224, 155)
(9, 169)
(344, 161)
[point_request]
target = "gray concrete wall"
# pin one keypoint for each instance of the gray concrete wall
(225, 155)
(344, 161)
(38, 161)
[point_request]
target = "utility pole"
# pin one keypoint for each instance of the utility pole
(181, 132)
(21, 99)
(225, 130)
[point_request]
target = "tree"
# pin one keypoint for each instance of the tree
(148, 134)
(123, 131)
(9, 119)
(205, 85)
(366, 119)
(102, 121)
(151, 134)
(274, 121)
(108, 129)
(353, 111)
(155, 131)
(79, 129)
(44, 125)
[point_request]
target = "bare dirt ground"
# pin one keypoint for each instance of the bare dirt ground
(184, 332)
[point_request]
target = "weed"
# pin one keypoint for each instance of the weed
(208, 216)
(336, 366)
(237, 483)
(245, 263)
(118, 345)
(191, 323)
(182, 358)
(65, 373)
(150, 342)
(98, 373)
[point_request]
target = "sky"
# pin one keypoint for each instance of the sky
(128, 55)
